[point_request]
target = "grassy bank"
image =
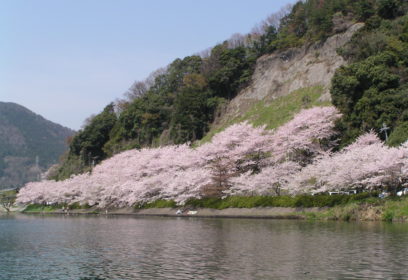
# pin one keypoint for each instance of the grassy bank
(40, 208)
(300, 201)
(394, 209)
(364, 206)
(276, 112)
(359, 207)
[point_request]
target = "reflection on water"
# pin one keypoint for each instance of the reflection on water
(96, 248)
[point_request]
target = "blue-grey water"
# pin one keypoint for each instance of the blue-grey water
(95, 248)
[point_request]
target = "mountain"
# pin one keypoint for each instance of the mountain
(29, 144)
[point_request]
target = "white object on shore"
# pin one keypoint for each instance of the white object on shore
(403, 192)
(191, 212)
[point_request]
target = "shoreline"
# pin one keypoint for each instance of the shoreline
(358, 207)
(350, 212)
(243, 213)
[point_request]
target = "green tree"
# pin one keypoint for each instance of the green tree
(265, 44)
(373, 90)
(191, 114)
(233, 69)
(7, 200)
(389, 8)
(399, 134)
(88, 143)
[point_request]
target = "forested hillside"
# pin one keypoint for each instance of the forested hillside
(178, 103)
(373, 90)
(29, 144)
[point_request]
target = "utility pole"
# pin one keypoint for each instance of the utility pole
(37, 167)
(384, 129)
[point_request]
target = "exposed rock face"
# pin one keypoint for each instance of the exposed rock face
(279, 74)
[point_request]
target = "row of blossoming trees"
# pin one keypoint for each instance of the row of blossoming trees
(242, 160)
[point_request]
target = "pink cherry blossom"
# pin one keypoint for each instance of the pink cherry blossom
(261, 162)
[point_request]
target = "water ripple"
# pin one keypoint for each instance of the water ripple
(100, 248)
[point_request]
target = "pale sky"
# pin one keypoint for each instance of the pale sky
(67, 59)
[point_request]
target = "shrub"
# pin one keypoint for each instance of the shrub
(41, 208)
(161, 203)
(77, 205)
(306, 201)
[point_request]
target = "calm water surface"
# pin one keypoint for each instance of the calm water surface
(96, 248)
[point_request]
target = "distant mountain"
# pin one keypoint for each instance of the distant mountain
(29, 144)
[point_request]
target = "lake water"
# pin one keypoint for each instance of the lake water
(95, 248)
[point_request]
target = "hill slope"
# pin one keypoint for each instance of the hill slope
(279, 74)
(285, 82)
(27, 138)
(266, 77)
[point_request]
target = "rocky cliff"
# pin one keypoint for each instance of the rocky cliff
(280, 74)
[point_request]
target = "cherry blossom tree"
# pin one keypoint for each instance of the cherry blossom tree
(240, 160)
(268, 182)
(367, 164)
(309, 133)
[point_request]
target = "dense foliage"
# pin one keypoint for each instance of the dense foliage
(372, 90)
(86, 148)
